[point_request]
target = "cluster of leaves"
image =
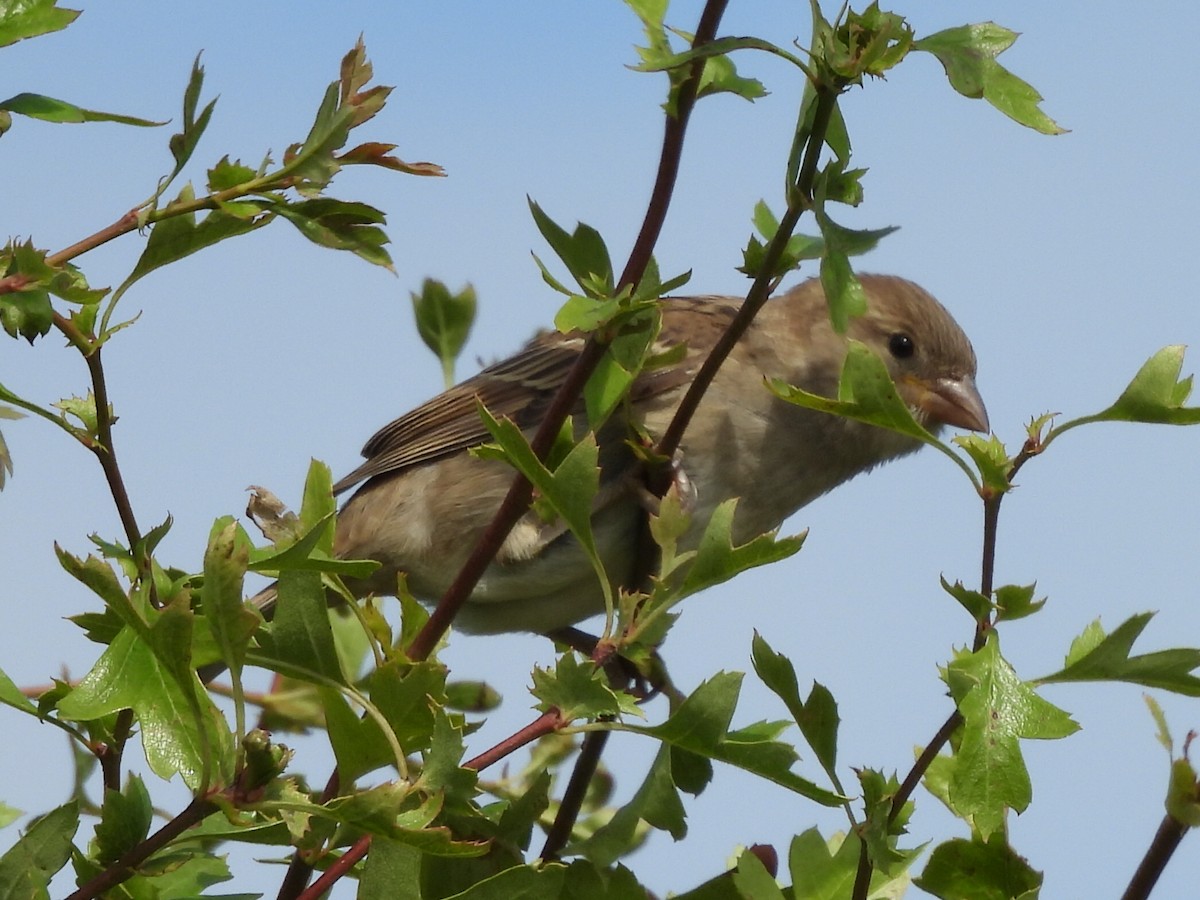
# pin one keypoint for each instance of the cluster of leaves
(433, 827)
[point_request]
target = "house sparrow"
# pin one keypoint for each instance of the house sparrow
(424, 500)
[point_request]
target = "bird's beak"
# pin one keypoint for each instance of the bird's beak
(953, 401)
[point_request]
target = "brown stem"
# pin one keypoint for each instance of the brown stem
(1158, 854)
(547, 723)
(574, 795)
(110, 758)
(672, 149)
(338, 868)
(123, 225)
(759, 291)
(125, 867)
(106, 454)
(519, 494)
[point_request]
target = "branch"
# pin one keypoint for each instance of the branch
(516, 502)
(125, 867)
(1158, 854)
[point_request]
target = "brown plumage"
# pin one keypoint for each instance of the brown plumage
(424, 501)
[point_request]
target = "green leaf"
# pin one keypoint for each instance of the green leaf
(866, 393)
(968, 54)
(28, 866)
(701, 725)
(1156, 394)
(300, 635)
(1095, 656)
(579, 690)
(406, 696)
(866, 43)
(817, 716)
(339, 225)
(6, 463)
(48, 109)
(344, 107)
(444, 321)
(962, 869)
(174, 736)
(32, 18)
(231, 622)
(752, 879)
(973, 602)
(622, 362)
(393, 870)
(26, 313)
(583, 252)
(998, 710)
(880, 829)
(569, 490)
(991, 458)
(843, 292)
(1014, 601)
(655, 802)
(800, 247)
(124, 822)
(11, 695)
(183, 143)
(717, 559)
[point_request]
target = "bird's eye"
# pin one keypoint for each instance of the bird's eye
(901, 346)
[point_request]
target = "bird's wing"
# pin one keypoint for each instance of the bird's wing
(519, 388)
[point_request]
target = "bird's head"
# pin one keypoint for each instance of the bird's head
(928, 355)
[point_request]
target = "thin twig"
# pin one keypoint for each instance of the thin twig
(517, 500)
(126, 866)
(547, 723)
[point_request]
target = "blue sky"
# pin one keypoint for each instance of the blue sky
(1067, 259)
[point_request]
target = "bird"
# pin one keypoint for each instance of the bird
(422, 499)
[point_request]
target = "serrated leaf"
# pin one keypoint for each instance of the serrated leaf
(1156, 395)
(972, 601)
(817, 716)
(962, 869)
(232, 624)
(373, 153)
(1095, 656)
(583, 252)
(129, 674)
(32, 18)
(44, 848)
(717, 559)
(125, 820)
(1015, 601)
(991, 459)
(998, 710)
(578, 690)
(183, 143)
(866, 393)
(569, 490)
(656, 802)
(880, 829)
(339, 225)
(345, 106)
(968, 54)
(701, 725)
